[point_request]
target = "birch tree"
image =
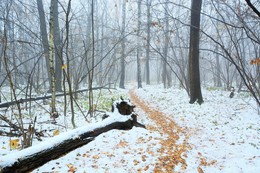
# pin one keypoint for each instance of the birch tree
(54, 113)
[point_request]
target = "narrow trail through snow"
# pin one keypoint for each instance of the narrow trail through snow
(174, 146)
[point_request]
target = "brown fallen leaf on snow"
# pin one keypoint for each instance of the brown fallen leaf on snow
(203, 162)
(56, 132)
(122, 144)
(72, 168)
(200, 170)
(96, 157)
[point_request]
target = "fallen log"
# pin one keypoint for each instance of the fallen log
(122, 117)
(23, 100)
(33, 157)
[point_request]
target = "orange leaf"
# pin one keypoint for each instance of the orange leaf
(122, 144)
(203, 162)
(14, 144)
(72, 168)
(56, 132)
(96, 157)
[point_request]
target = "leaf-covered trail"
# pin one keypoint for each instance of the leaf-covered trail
(174, 146)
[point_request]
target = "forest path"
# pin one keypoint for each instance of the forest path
(174, 145)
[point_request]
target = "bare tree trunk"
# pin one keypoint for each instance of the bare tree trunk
(1, 55)
(194, 70)
(54, 113)
(122, 61)
(57, 46)
(100, 80)
(148, 3)
(44, 37)
(218, 68)
(139, 79)
(166, 74)
(13, 50)
(68, 69)
(92, 63)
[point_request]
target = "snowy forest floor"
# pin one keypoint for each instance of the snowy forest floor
(221, 135)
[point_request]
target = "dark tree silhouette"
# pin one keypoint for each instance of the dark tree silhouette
(194, 71)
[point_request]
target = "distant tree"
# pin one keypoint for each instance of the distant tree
(148, 40)
(122, 60)
(44, 37)
(240, 48)
(139, 79)
(194, 69)
(57, 46)
(166, 74)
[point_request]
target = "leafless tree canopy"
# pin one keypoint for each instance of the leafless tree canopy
(63, 45)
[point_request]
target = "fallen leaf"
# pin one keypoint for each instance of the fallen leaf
(96, 157)
(200, 170)
(72, 168)
(144, 158)
(136, 162)
(203, 162)
(146, 168)
(56, 132)
(126, 152)
(14, 144)
(95, 166)
(122, 144)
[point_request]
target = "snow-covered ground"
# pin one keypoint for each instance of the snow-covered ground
(224, 135)
(226, 132)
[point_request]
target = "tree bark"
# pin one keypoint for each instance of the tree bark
(194, 70)
(148, 3)
(92, 64)
(57, 46)
(51, 60)
(44, 37)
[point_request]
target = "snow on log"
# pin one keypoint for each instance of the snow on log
(33, 157)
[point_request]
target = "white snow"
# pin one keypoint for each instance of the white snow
(226, 130)
(56, 140)
(225, 136)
